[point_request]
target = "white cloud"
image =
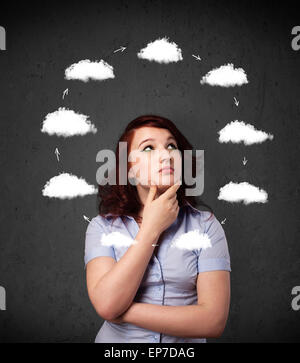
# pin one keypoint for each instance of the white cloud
(238, 131)
(192, 240)
(225, 76)
(67, 186)
(242, 192)
(161, 51)
(86, 69)
(117, 239)
(64, 122)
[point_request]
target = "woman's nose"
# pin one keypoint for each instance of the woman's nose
(164, 155)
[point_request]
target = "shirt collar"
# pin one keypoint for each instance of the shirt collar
(110, 214)
(193, 208)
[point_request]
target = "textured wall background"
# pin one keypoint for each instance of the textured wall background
(42, 243)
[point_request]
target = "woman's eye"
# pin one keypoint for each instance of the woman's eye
(174, 146)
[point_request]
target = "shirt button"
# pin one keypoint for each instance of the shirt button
(159, 288)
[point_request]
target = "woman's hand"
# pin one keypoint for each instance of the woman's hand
(160, 213)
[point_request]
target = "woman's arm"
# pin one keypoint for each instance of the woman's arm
(207, 319)
(113, 287)
(113, 292)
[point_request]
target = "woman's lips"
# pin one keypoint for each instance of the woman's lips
(167, 170)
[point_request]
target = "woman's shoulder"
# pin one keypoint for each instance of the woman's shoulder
(207, 223)
(203, 218)
(98, 222)
(98, 219)
(105, 222)
(194, 211)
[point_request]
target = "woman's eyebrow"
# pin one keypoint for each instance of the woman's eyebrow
(169, 138)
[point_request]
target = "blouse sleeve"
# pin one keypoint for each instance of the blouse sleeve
(217, 256)
(93, 246)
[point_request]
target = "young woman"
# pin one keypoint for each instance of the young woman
(150, 291)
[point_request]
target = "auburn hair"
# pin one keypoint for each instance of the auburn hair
(122, 200)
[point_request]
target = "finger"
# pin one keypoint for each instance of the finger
(170, 192)
(151, 193)
(174, 203)
(177, 209)
(172, 199)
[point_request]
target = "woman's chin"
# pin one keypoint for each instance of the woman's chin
(161, 183)
(165, 184)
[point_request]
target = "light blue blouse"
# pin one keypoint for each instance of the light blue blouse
(170, 278)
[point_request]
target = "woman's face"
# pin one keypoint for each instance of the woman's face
(151, 150)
